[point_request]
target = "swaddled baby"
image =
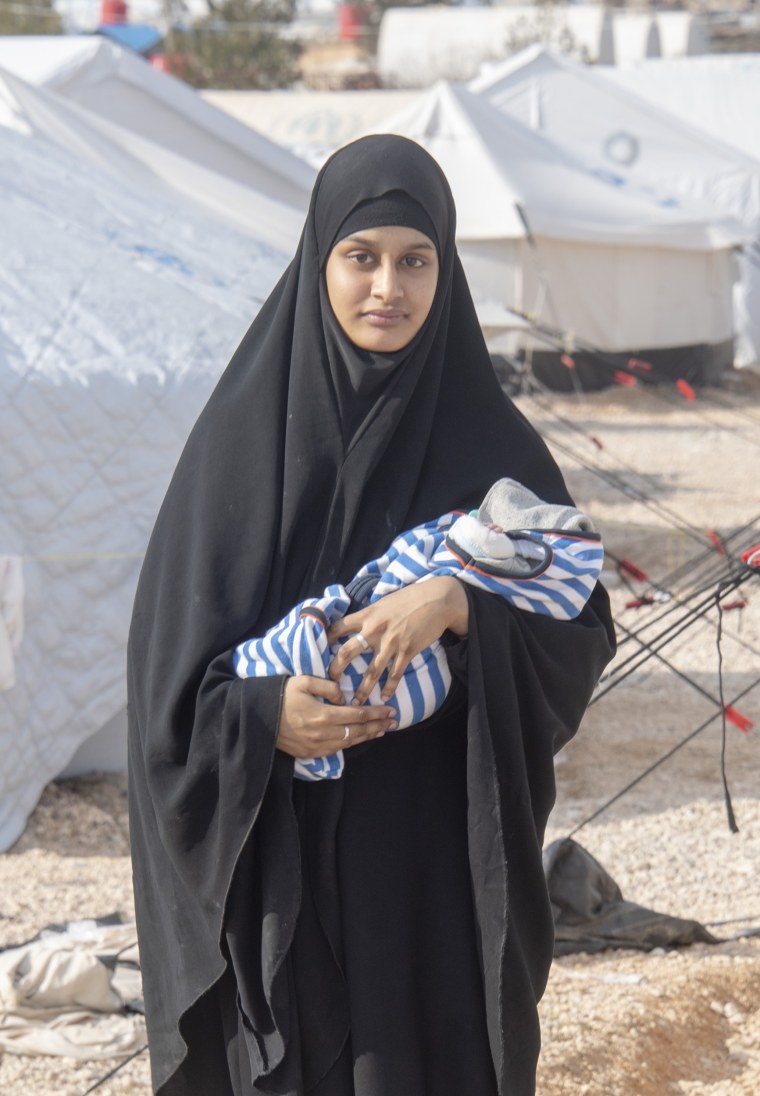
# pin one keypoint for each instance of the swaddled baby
(539, 557)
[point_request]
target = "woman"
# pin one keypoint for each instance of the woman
(389, 933)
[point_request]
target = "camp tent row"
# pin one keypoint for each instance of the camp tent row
(641, 148)
(671, 213)
(624, 289)
(630, 270)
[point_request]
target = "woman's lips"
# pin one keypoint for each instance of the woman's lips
(384, 319)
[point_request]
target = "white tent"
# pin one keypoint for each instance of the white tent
(118, 309)
(310, 123)
(126, 155)
(620, 268)
(718, 93)
(419, 45)
(121, 87)
(638, 145)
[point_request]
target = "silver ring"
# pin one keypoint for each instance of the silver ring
(362, 640)
(346, 732)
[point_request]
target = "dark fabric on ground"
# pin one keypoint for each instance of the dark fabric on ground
(590, 913)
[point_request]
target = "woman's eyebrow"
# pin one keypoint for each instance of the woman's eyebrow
(420, 245)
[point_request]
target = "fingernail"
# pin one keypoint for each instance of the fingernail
(356, 703)
(393, 726)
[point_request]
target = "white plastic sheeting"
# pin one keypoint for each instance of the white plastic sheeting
(121, 87)
(126, 155)
(719, 93)
(118, 310)
(639, 146)
(620, 266)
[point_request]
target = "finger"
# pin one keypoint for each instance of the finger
(348, 651)
(353, 715)
(396, 671)
(379, 664)
(364, 732)
(345, 627)
(320, 739)
(323, 687)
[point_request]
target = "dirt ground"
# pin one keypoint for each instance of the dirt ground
(618, 1023)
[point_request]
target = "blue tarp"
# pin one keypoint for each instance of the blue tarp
(135, 36)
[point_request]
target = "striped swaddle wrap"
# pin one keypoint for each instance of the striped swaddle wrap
(298, 645)
(549, 571)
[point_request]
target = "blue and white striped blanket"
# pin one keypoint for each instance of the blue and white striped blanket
(550, 571)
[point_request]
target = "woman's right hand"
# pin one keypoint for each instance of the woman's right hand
(309, 728)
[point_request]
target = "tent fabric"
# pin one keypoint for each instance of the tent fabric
(590, 913)
(67, 992)
(717, 93)
(312, 124)
(118, 311)
(126, 155)
(121, 87)
(11, 617)
(639, 147)
(623, 268)
(505, 165)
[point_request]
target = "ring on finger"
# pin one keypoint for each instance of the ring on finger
(346, 732)
(364, 644)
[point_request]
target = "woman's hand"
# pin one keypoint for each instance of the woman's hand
(309, 728)
(398, 627)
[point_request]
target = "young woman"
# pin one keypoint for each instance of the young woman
(388, 933)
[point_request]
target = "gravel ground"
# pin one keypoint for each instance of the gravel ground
(618, 1023)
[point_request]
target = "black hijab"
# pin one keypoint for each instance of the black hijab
(358, 376)
(273, 498)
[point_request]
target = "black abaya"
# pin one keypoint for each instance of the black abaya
(260, 905)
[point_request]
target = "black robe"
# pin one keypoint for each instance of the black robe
(254, 978)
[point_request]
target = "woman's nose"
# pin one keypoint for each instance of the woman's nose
(386, 284)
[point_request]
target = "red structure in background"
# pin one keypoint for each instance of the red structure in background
(352, 22)
(113, 12)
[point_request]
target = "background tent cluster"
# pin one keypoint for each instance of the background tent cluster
(639, 146)
(626, 269)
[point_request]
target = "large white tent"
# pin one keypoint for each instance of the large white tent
(618, 267)
(119, 307)
(719, 93)
(121, 87)
(126, 155)
(637, 145)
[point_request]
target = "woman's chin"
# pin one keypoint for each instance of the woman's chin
(382, 340)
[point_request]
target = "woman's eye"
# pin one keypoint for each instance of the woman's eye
(361, 258)
(414, 261)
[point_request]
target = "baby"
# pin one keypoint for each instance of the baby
(539, 557)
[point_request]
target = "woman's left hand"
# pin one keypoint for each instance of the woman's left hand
(398, 627)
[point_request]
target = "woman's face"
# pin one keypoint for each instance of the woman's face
(381, 283)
